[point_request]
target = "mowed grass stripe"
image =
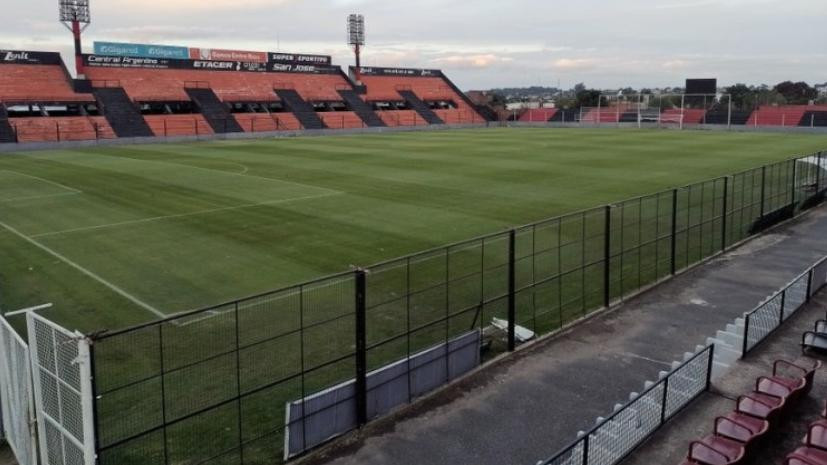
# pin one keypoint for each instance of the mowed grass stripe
(401, 193)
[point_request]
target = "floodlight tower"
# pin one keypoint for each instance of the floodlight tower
(74, 14)
(356, 36)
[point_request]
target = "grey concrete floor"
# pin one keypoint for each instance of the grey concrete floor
(6, 455)
(670, 444)
(528, 406)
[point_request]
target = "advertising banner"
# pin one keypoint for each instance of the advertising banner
(308, 69)
(227, 55)
(411, 72)
(141, 50)
(99, 61)
(21, 57)
(299, 58)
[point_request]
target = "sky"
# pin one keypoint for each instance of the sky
(480, 44)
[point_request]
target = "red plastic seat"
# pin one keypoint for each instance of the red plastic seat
(808, 456)
(769, 386)
(716, 450)
(799, 460)
(760, 405)
(817, 435)
(801, 382)
(741, 428)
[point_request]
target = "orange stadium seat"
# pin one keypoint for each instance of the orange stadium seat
(159, 85)
(386, 88)
(341, 120)
(58, 129)
(788, 115)
(538, 115)
(178, 125)
(401, 118)
(258, 122)
(38, 83)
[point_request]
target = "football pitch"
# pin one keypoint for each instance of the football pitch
(116, 236)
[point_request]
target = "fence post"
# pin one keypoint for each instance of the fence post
(711, 365)
(674, 229)
(724, 214)
(586, 449)
(809, 284)
(763, 189)
(361, 349)
(818, 174)
(512, 308)
(783, 304)
(94, 384)
(746, 336)
(664, 400)
(607, 255)
(795, 174)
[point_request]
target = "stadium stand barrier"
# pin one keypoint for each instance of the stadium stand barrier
(46, 391)
(16, 395)
(613, 438)
(772, 313)
(225, 383)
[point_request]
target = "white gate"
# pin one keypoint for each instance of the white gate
(16, 395)
(63, 393)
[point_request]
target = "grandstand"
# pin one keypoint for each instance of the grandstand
(121, 96)
(422, 96)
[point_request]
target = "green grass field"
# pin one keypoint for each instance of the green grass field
(122, 235)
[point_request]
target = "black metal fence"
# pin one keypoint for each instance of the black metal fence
(773, 312)
(212, 386)
(613, 438)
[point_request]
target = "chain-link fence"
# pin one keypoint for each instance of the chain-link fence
(257, 380)
(16, 395)
(615, 437)
(772, 313)
(62, 373)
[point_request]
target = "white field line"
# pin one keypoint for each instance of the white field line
(33, 197)
(183, 215)
(45, 180)
(230, 173)
(85, 271)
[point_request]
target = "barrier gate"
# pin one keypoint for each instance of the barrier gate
(16, 395)
(62, 392)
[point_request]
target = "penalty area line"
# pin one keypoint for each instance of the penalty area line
(85, 271)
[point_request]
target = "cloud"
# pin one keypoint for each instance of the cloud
(188, 5)
(570, 64)
(472, 61)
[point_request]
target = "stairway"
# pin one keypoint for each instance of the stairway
(420, 107)
(6, 131)
(304, 111)
(564, 116)
(121, 113)
(720, 115)
(814, 118)
(214, 111)
(629, 117)
(362, 109)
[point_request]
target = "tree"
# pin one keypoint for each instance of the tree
(587, 98)
(742, 96)
(580, 87)
(796, 93)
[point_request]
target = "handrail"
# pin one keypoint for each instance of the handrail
(708, 351)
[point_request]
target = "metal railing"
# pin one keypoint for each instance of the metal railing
(776, 309)
(615, 437)
(218, 369)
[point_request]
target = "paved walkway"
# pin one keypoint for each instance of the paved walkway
(670, 444)
(527, 407)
